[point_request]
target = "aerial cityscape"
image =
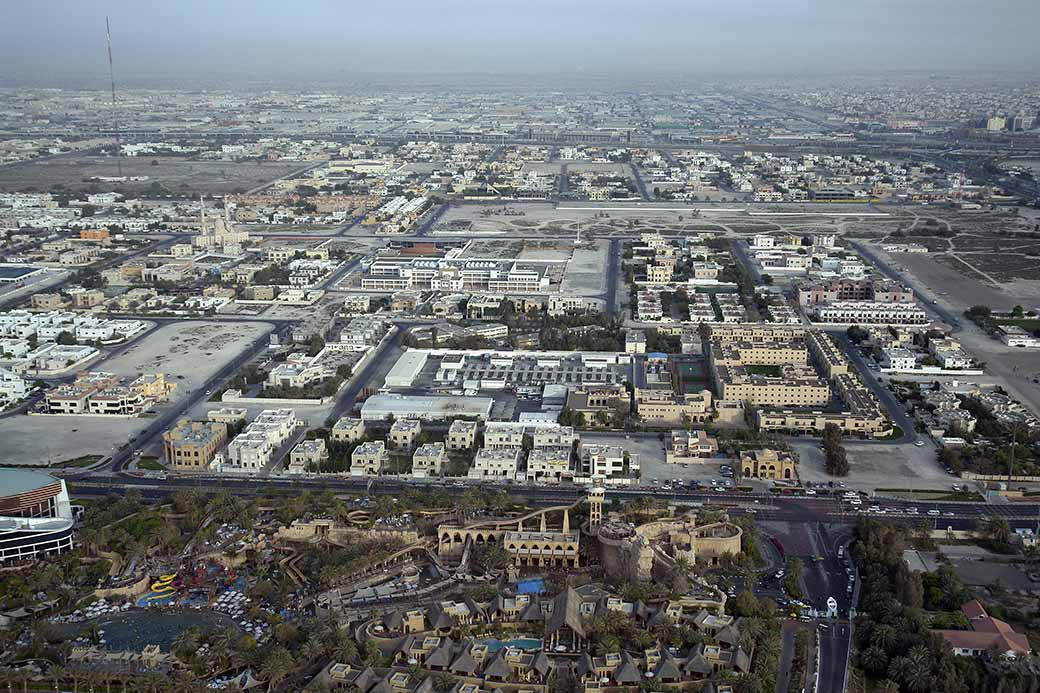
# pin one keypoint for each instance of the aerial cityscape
(585, 358)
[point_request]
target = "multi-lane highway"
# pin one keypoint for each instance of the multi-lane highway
(785, 508)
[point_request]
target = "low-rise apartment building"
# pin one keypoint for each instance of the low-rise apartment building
(307, 455)
(503, 435)
(549, 464)
(870, 313)
(495, 463)
(666, 408)
(404, 432)
(604, 461)
(348, 430)
(428, 461)
(369, 459)
(462, 435)
(251, 450)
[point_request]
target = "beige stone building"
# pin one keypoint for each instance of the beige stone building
(428, 461)
(766, 464)
(664, 407)
(348, 430)
(369, 459)
(191, 445)
(404, 432)
(462, 434)
(46, 301)
(690, 446)
(308, 454)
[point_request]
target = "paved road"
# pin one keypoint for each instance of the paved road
(169, 415)
(740, 252)
(896, 411)
(430, 218)
(834, 657)
(613, 272)
(640, 185)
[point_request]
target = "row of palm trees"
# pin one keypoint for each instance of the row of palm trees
(62, 680)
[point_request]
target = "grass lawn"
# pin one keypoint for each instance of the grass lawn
(896, 434)
(151, 463)
(82, 461)
(1031, 324)
(768, 371)
(933, 495)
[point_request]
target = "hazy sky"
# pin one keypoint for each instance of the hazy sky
(259, 39)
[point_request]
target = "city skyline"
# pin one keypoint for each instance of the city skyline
(322, 41)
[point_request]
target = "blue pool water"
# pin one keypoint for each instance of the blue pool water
(133, 630)
(494, 645)
(532, 586)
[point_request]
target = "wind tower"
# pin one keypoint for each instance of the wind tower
(595, 499)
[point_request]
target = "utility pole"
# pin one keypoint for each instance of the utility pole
(1011, 460)
(112, 79)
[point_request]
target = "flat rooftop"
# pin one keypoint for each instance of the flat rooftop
(15, 272)
(15, 481)
(425, 406)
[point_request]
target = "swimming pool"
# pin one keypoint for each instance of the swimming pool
(531, 586)
(133, 630)
(494, 645)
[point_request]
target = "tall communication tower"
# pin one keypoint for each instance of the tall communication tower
(112, 79)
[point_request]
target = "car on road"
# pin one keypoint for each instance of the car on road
(934, 513)
(912, 511)
(919, 443)
(810, 492)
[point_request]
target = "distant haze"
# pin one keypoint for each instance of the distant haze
(53, 40)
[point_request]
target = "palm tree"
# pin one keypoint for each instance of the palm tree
(899, 669)
(277, 665)
(58, 674)
(346, 650)
(884, 636)
(873, 659)
(919, 677)
(888, 686)
(749, 683)
(998, 530)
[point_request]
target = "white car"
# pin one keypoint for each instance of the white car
(919, 443)
(934, 513)
(855, 501)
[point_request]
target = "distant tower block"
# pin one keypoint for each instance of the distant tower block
(595, 499)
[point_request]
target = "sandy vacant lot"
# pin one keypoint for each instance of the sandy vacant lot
(189, 353)
(961, 289)
(586, 272)
(176, 175)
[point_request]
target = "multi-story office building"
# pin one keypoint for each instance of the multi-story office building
(192, 445)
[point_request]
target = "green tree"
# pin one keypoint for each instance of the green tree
(277, 664)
